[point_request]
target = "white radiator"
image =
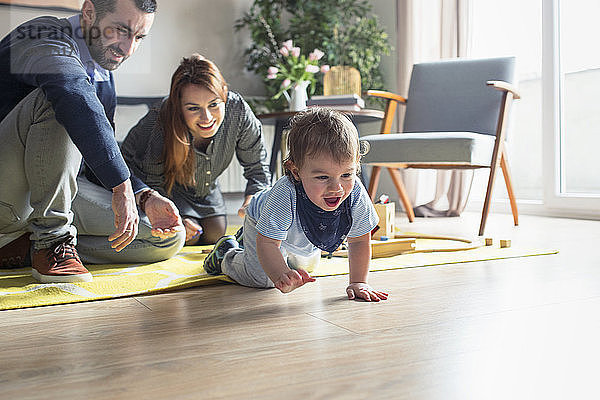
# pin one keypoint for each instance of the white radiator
(232, 179)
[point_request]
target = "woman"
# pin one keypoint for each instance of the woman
(183, 144)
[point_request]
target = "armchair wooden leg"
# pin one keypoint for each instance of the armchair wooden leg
(509, 187)
(488, 197)
(397, 179)
(374, 181)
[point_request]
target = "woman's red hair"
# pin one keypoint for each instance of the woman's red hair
(178, 155)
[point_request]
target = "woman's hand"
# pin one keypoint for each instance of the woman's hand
(363, 291)
(163, 215)
(192, 231)
(242, 209)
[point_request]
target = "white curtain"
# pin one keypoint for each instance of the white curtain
(429, 30)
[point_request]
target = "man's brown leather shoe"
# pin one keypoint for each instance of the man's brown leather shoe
(59, 264)
(16, 253)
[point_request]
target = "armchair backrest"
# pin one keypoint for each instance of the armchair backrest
(452, 95)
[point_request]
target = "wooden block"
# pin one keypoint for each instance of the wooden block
(504, 243)
(383, 248)
(387, 216)
(391, 247)
(489, 241)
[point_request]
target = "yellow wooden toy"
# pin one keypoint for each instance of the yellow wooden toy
(387, 214)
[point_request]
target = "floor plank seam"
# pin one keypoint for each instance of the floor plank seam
(140, 302)
(336, 325)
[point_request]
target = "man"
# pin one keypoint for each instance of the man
(57, 104)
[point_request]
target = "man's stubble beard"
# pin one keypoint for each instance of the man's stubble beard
(98, 50)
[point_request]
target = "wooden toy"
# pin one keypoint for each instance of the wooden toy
(405, 243)
(383, 248)
(391, 247)
(400, 235)
(387, 214)
(471, 245)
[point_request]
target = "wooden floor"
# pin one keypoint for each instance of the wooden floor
(526, 328)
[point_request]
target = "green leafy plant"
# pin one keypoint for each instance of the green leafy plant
(344, 30)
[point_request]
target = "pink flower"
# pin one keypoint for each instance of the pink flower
(271, 76)
(324, 68)
(286, 82)
(312, 68)
(295, 51)
(273, 70)
(284, 51)
(316, 55)
(288, 44)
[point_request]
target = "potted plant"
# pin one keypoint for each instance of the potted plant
(343, 29)
(296, 72)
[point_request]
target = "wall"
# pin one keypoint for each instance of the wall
(386, 13)
(10, 17)
(181, 28)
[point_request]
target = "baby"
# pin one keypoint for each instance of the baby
(316, 206)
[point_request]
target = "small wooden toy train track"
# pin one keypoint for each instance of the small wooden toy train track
(406, 243)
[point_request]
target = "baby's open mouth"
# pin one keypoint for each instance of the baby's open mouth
(332, 201)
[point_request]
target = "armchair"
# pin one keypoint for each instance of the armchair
(456, 117)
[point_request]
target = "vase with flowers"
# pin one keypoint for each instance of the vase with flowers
(296, 72)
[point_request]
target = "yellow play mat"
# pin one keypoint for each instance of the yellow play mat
(19, 290)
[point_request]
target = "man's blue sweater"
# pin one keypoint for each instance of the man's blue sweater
(42, 53)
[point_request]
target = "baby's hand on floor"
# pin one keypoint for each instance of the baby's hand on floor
(363, 291)
(292, 279)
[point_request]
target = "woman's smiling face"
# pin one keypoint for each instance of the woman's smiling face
(326, 181)
(203, 111)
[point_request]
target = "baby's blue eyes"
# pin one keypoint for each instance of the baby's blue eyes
(344, 176)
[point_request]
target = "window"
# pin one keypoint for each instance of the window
(580, 108)
(515, 29)
(553, 138)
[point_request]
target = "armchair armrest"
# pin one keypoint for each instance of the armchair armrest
(386, 95)
(390, 109)
(504, 86)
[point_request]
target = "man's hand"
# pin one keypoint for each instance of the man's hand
(365, 292)
(126, 216)
(163, 215)
(292, 279)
